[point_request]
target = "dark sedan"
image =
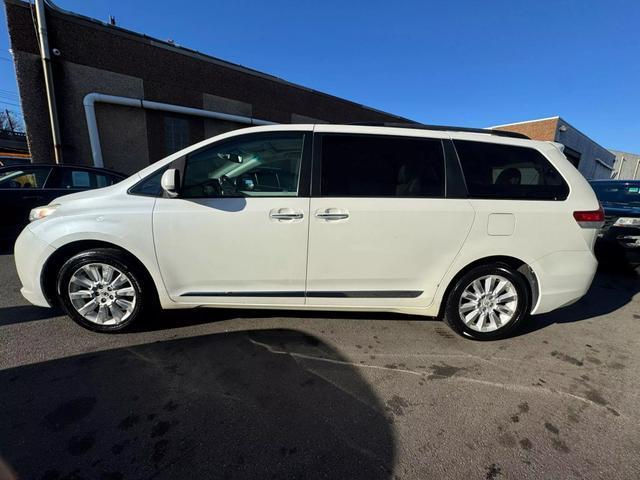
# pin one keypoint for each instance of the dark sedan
(23, 187)
(619, 240)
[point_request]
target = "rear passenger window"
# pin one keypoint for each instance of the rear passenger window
(378, 166)
(509, 172)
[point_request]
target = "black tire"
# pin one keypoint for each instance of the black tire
(145, 299)
(451, 313)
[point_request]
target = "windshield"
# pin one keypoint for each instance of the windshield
(618, 193)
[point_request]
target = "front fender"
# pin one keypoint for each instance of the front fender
(124, 223)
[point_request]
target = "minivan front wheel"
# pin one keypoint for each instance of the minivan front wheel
(100, 290)
(488, 302)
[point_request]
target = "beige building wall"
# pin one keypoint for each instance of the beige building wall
(123, 130)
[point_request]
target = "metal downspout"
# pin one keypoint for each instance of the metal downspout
(45, 56)
(92, 125)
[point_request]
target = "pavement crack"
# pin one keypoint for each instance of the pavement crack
(506, 386)
(341, 388)
(331, 360)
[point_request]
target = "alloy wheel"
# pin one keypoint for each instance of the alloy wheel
(102, 294)
(488, 303)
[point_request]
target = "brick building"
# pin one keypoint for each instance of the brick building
(153, 76)
(592, 159)
(13, 144)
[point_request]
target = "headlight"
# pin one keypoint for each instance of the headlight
(627, 222)
(42, 212)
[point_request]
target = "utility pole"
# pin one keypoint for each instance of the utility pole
(6, 111)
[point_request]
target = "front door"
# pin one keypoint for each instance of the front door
(238, 231)
(382, 232)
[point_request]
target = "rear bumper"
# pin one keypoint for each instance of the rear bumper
(31, 253)
(563, 278)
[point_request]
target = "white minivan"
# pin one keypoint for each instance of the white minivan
(480, 227)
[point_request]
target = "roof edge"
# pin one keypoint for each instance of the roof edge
(622, 152)
(556, 117)
(560, 119)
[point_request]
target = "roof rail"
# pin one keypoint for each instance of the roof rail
(420, 126)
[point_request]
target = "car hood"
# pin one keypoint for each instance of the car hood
(94, 193)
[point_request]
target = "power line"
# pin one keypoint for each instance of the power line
(4, 99)
(9, 103)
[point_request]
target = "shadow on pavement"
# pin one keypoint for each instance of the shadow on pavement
(231, 405)
(6, 245)
(197, 316)
(26, 313)
(610, 291)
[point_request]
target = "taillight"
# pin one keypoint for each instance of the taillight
(591, 218)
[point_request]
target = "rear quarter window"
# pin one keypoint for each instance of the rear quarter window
(496, 171)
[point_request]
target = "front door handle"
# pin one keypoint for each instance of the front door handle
(285, 214)
(332, 214)
(33, 197)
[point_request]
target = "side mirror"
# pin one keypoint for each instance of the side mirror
(170, 182)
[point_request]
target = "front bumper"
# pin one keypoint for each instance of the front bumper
(31, 253)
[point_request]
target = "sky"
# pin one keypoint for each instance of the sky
(465, 63)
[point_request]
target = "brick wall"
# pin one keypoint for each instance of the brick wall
(536, 130)
(95, 57)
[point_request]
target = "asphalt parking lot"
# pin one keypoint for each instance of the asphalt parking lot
(263, 394)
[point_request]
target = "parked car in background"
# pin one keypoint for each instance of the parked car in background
(619, 240)
(482, 228)
(25, 186)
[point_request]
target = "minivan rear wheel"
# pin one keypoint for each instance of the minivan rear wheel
(101, 290)
(488, 302)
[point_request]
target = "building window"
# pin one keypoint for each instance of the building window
(176, 134)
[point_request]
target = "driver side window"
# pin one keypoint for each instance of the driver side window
(251, 166)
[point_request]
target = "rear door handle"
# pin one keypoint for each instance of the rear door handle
(332, 214)
(284, 214)
(33, 197)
